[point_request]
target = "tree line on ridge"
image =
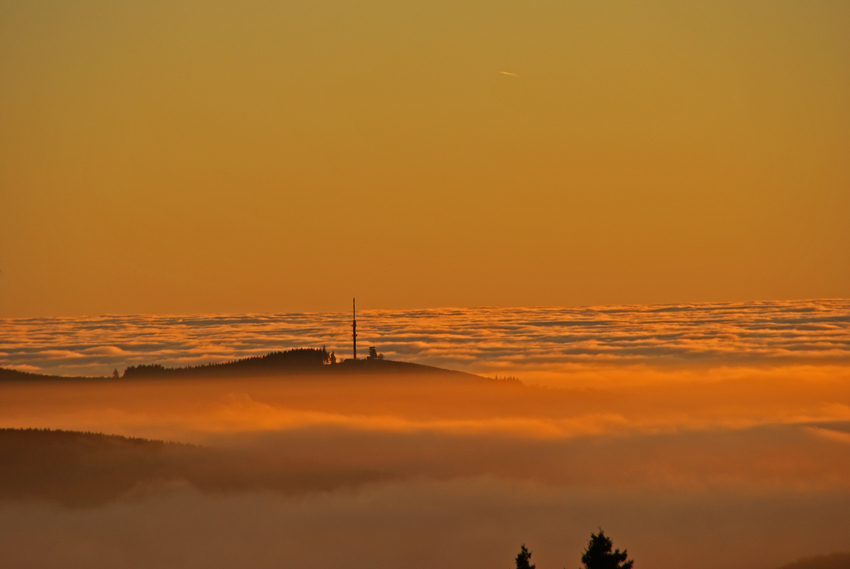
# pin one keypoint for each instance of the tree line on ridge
(599, 554)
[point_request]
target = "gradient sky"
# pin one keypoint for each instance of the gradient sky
(185, 157)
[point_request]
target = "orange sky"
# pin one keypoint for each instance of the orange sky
(270, 156)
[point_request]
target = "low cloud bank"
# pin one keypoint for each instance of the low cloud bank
(748, 433)
(79, 469)
(474, 523)
(740, 470)
(195, 410)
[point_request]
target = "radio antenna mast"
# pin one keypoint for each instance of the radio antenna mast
(354, 327)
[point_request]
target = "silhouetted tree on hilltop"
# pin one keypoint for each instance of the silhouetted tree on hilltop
(523, 558)
(598, 554)
(297, 359)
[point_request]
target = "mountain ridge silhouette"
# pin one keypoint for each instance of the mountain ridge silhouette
(294, 362)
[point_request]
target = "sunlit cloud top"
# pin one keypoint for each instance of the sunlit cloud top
(482, 340)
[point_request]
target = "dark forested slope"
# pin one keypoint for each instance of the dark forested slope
(87, 469)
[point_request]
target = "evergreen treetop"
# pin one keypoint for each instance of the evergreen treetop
(523, 558)
(598, 554)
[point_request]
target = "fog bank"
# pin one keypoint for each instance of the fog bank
(475, 522)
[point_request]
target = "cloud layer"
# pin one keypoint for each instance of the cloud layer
(522, 341)
(704, 435)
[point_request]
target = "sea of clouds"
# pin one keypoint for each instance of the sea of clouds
(528, 342)
(704, 435)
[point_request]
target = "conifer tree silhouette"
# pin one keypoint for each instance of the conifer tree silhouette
(523, 558)
(598, 554)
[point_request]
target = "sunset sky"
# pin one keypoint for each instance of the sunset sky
(631, 220)
(196, 157)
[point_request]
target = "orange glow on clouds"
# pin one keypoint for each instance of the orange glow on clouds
(579, 345)
(217, 179)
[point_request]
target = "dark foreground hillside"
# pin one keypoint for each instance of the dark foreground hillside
(837, 560)
(87, 469)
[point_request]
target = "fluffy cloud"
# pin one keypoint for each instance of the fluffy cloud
(482, 340)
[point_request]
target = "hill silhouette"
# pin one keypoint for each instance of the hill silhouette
(7, 374)
(837, 560)
(298, 361)
(75, 468)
